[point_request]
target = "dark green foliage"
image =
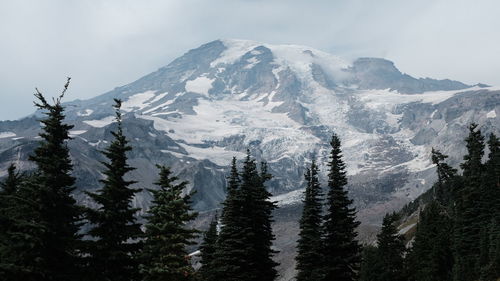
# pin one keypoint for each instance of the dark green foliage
(490, 213)
(490, 270)
(467, 225)
(458, 233)
(341, 250)
(431, 256)
(21, 245)
(46, 211)
(370, 267)
(165, 256)
(12, 182)
(13, 264)
(443, 190)
(114, 228)
(309, 258)
(386, 261)
(244, 244)
(391, 248)
(256, 218)
(230, 255)
(207, 249)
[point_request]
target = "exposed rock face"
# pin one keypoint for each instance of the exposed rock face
(283, 103)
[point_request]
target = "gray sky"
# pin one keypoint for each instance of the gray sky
(102, 44)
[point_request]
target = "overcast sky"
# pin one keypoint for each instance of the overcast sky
(103, 44)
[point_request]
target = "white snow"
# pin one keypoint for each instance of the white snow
(251, 62)
(235, 50)
(386, 99)
(298, 58)
(217, 155)
(101, 122)
(138, 101)
(85, 112)
(76, 132)
(491, 114)
(4, 135)
(290, 198)
(405, 229)
(200, 85)
(195, 253)
(157, 98)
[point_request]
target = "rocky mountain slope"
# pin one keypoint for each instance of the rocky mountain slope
(282, 102)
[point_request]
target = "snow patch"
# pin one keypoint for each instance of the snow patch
(85, 112)
(200, 85)
(405, 229)
(215, 154)
(101, 122)
(386, 99)
(138, 101)
(76, 132)
(7, 135)
(251, 63)
(491, 114)
(290, 198)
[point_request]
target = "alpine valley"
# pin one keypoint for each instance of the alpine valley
(282, 102)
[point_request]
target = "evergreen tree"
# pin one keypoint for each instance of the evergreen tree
(8, 223)
(431, 256)
(256, 218)
(207, 250)
(230, 256)
(443, 190)
(165, 256)
(309, 243)
(243, 250)
(114, 228)
(370, 268)
(390, 250)
(12, 182)
(490, 212)
(468, 226)
(386, 261)
(491, 269)
(21, 233)
(341, 250)
(8, 190)
(57, 211)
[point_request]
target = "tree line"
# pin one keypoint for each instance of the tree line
(457, 237)
(46, 235)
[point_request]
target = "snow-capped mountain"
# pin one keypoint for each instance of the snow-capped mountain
(282, 102)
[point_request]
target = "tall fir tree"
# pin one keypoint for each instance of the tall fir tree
(341, 250)
(391, 250)
(113, 250)
(443, 189)
(256, 219)
(386, 260)
(58, 214)
(490, 213)
(467, 225)
(230, 256)
(490, 271)
(207, 249)
(431, 256)
(370, 268)
(244, 250)
(309, 245)
(165, 256)
(13, 262)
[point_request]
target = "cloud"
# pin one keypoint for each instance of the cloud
(108, 43)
